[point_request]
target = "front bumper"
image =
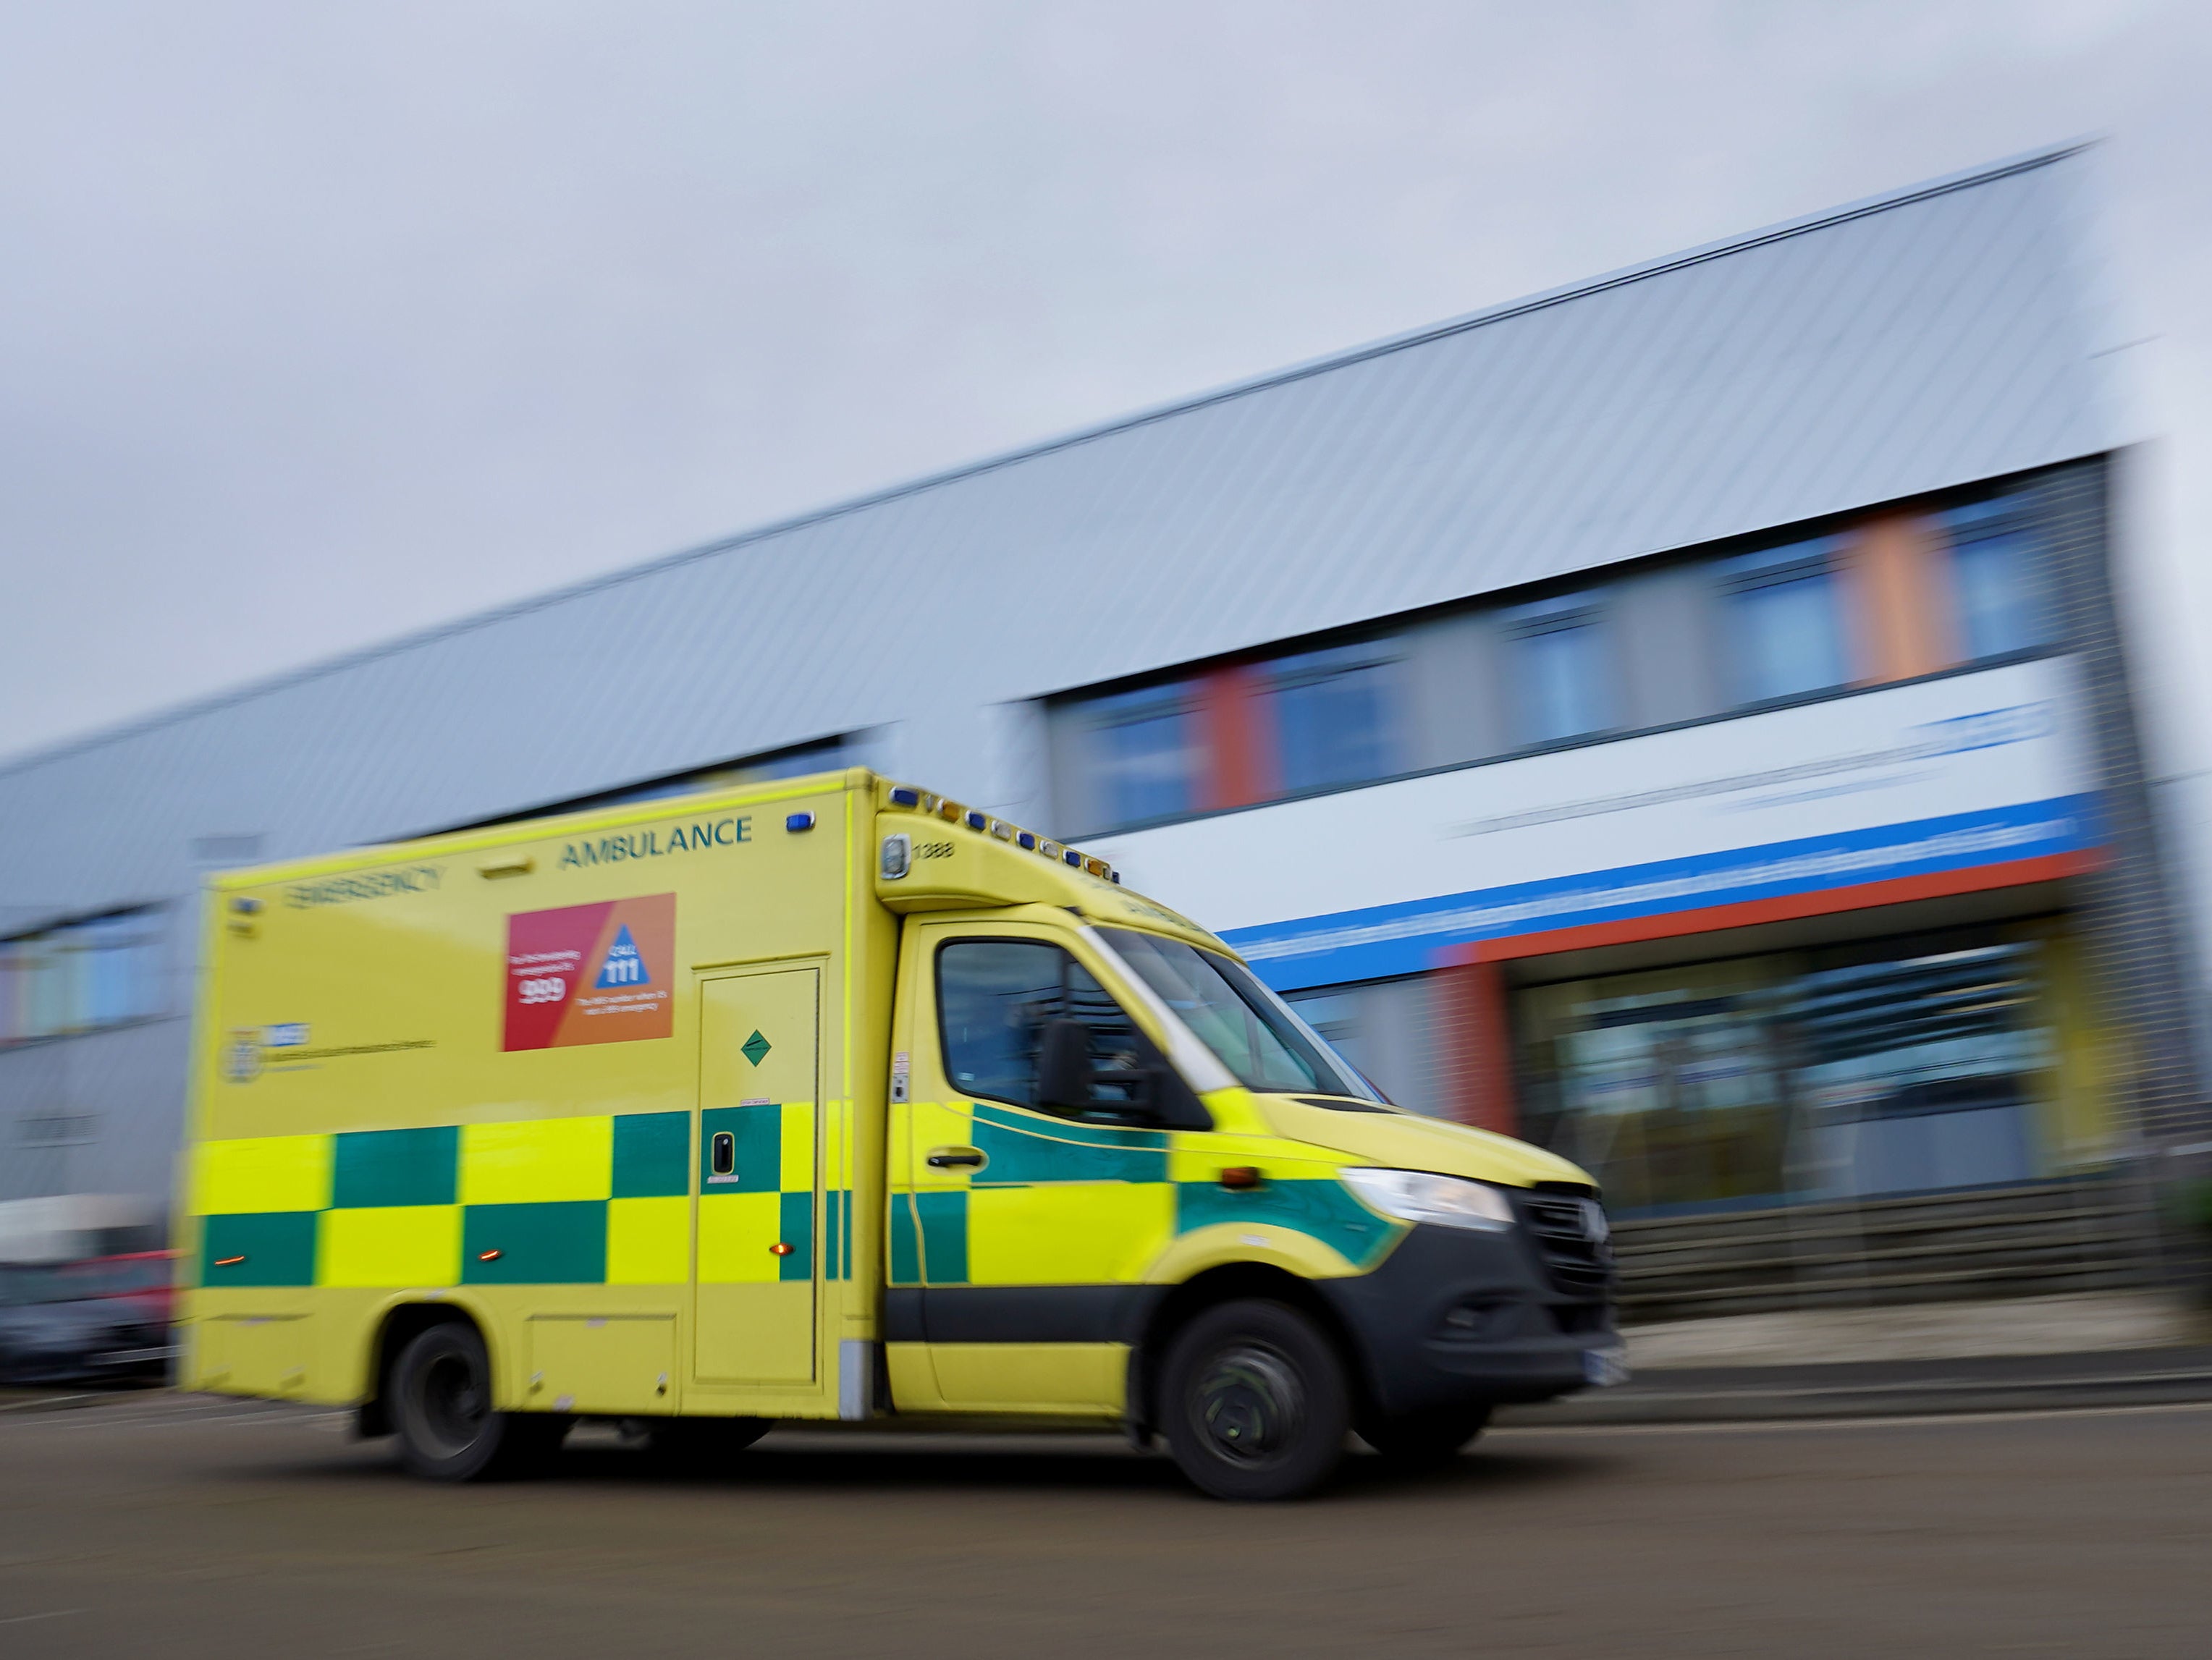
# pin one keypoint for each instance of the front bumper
(1453, 1317)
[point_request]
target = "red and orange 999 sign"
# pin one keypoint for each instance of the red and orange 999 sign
(591, 974)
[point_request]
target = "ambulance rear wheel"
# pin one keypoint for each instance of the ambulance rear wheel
(442, 1406)
(1255, 1403)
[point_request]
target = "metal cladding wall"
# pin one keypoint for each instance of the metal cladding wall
(1903, 345)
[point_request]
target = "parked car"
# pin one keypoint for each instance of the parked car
(96, 1321)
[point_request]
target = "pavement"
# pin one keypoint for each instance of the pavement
(195, 1526)
(1865, 1389)
(2072, 1323)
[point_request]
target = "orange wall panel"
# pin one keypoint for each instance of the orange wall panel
(1899, 600)
(1474, 1043)
(1239, 747)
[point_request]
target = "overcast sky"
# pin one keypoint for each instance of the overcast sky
(318, 324)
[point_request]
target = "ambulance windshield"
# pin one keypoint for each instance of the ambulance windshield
(1249, 1029)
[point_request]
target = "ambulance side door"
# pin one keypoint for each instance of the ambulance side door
(1027, 1227)
(757, 1278)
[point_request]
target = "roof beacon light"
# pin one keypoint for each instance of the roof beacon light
(978, 820)
(1002, 830)
(1097, 868)
(1025, 841)
(1069, 856)
(950, 811)
(902, 797)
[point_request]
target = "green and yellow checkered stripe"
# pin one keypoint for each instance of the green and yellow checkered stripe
(1060, 1202)
(768, 1200)
(583, 1200)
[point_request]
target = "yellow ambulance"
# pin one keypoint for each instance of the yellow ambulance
(832, 1099)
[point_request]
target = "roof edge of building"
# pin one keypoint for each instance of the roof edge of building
(1948, 184)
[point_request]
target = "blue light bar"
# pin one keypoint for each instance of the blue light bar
(902, 797)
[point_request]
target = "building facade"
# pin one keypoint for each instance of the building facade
(1681, 718)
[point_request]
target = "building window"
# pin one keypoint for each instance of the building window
(1555, 656)
(1331, 714)
(103, 971)
(1891, 1066)
(1144, 756)
(1996, 583)
(1785, 637)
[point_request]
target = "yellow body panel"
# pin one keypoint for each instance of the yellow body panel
(255, 1353)
(735, 1232)
(1220, 1244)
(390, 1245)
(603, 1363)
(649, 1241)
(263, 1173)
(1045, 1379)
(1081, 1233)
(536, 1162)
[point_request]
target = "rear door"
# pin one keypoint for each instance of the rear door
(757, 1268)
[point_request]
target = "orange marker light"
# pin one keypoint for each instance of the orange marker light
(489, 1256)
(228, 1261)
(778, 1249)
(1240, 1176)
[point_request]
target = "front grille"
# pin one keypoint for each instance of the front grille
(1576, 1256)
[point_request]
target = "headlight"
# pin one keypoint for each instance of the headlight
(1415, 1195)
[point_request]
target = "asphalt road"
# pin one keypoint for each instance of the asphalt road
(178, 1528)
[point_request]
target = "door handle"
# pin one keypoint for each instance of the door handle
(951, 1158)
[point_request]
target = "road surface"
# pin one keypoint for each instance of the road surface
(181, 1527)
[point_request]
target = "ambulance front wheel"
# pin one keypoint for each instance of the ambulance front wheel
(442, 1407)
(1255, 1402)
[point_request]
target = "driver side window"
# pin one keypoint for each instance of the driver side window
(994, 998)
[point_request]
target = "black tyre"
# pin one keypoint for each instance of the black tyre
(702, 1444)
(1254, 1402)
(1425, 1440)
(442, 1406)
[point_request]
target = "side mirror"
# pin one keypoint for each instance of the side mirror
(1063, 1065)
